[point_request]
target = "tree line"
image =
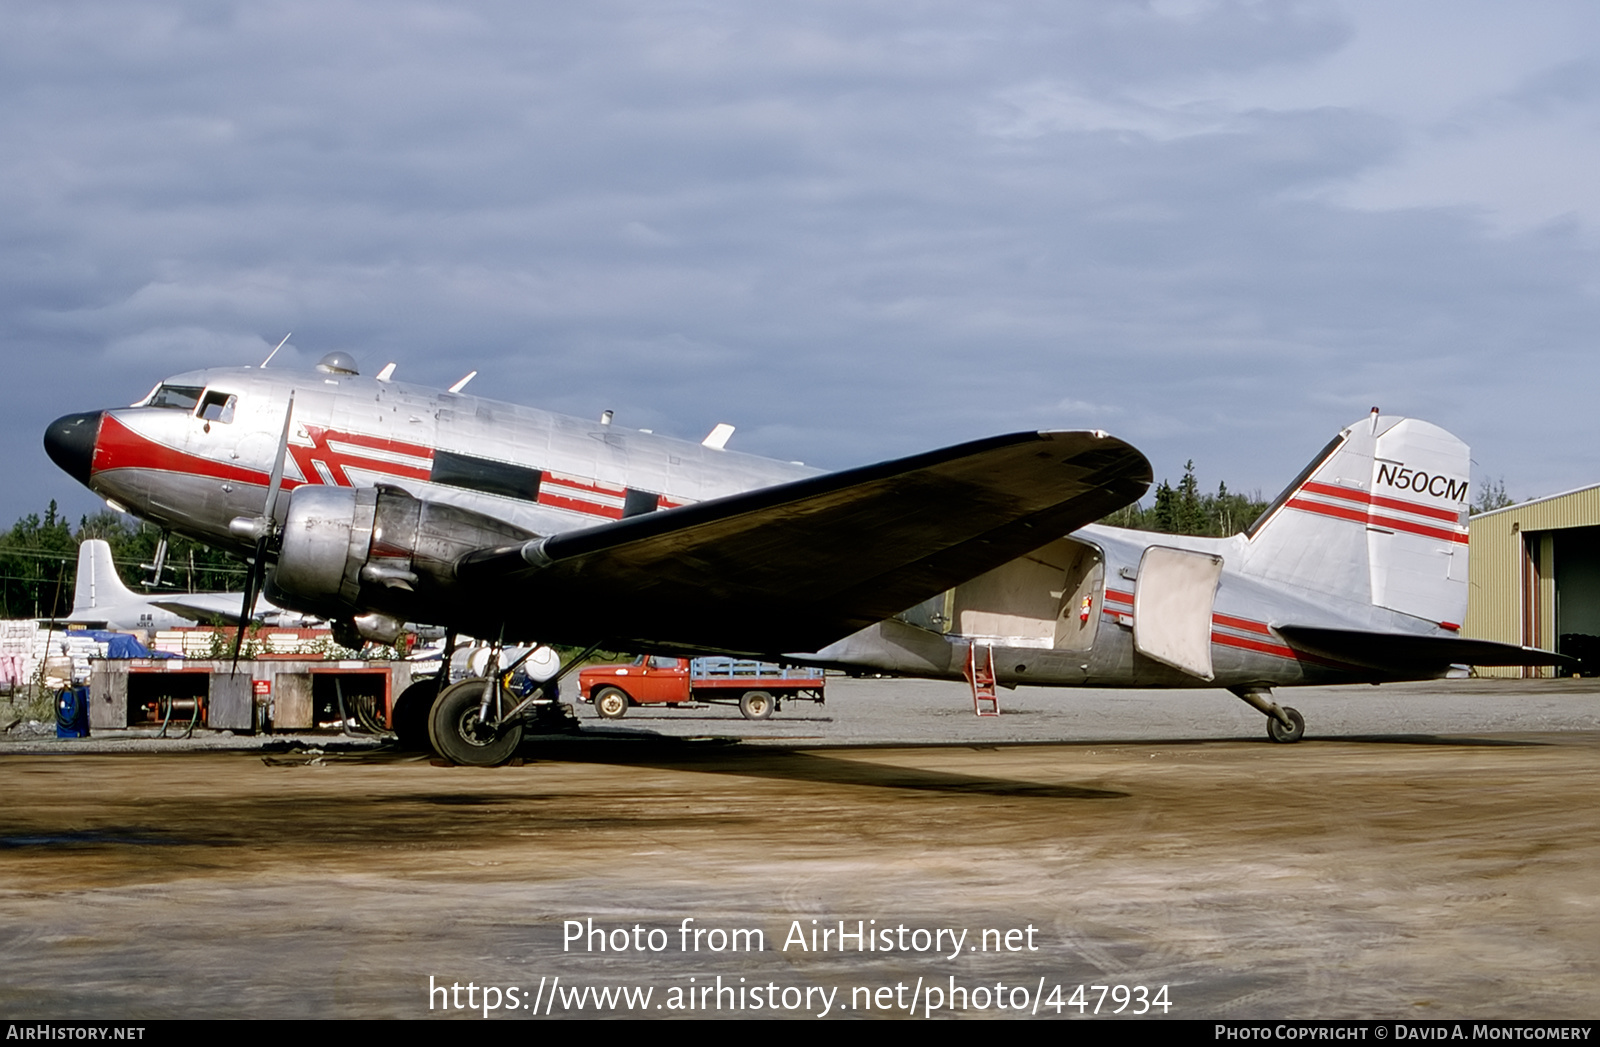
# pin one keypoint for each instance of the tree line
(1182, 509)
(39, 557)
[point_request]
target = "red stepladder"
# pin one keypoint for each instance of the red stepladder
(980, 674)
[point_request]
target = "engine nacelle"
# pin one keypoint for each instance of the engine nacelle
(347, 551)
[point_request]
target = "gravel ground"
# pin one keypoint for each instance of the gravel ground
(1427, 853)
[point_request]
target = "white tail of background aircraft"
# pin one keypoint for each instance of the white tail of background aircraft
(99, 585)
(101, 600)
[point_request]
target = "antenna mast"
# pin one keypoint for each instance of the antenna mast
(275, 349)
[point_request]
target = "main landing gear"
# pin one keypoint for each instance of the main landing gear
(479, 722)
(463, 732)
(1284, 724)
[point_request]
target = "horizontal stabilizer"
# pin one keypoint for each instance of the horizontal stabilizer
(206, 607)
(1405, 652)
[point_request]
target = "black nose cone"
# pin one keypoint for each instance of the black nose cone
(69, 441)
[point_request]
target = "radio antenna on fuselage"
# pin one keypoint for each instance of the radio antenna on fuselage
(275, 349)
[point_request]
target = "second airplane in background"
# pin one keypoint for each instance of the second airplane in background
(101, 600)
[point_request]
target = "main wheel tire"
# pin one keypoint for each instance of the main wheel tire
(409, 717)
(460, 737)
(1279, 733)
(756, 705)
(611, 702)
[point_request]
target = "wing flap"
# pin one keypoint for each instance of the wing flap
(798, 565)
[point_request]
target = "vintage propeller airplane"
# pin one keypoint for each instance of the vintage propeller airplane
(372, 503)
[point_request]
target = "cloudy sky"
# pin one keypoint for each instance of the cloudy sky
(1220, 230)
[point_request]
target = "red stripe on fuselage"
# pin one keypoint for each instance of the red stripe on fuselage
(1242, 624)
(558, 501)
(1244, 643)
(584, 485)
(1278, 650)
(338, 461)
(119, 447)
(377, 443)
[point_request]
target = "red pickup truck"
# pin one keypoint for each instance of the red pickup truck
(757, 687)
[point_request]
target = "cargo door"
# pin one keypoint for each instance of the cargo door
(1082, 596)
(1172, 602)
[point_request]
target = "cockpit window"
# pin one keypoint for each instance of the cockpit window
(218, 406)
(182, 397)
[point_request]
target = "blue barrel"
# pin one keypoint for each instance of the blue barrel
(72, 712)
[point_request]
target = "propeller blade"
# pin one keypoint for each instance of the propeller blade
(275, 484)
(255, 578)
(251, 588)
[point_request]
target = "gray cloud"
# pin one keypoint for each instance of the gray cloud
(854, 230)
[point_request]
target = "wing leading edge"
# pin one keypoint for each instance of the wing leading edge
(796, 566)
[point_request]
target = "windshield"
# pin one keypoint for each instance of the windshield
(182, 397)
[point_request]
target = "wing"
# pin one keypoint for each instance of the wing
(796, 566)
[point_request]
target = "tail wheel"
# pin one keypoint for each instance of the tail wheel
(611, 702)
(461, 737)
(1279, 733)
(756, 705)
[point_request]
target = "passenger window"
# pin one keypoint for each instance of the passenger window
(658, 662)
(218, 406)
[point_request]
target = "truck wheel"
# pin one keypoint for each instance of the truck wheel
(460, 737)
(611, 702)
(756, 705)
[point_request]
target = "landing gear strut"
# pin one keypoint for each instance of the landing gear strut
(1284, 723)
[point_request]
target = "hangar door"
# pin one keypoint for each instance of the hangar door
(1577, 568)
(1561, 594)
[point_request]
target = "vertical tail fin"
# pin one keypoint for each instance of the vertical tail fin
(98, 584)
(1380, 516)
